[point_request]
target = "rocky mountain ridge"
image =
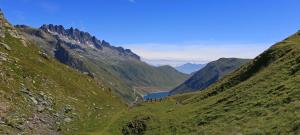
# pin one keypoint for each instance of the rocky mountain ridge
(84, 39)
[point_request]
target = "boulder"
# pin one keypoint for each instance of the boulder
(5, 46)
(67, 119)
(40, 108)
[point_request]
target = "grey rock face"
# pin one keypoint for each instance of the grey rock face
(85, 39)
(40, 108)
(5, 46)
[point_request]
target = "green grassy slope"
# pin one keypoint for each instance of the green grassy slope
(261, 97)
(208, 75)
(39, 95)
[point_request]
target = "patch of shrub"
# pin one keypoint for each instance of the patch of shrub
(295, 126)
(135, 127)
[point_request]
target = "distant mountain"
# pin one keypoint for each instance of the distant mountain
(189, 68)
(116, 67)
(211, 73)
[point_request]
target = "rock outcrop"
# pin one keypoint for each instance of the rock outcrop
(84, 39)
(5, 26)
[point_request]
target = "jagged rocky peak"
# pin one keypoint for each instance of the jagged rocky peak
(85, 38)
(53, 28)
(73, 34)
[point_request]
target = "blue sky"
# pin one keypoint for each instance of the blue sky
(169, 31)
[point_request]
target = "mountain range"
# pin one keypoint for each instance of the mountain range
(116, 67)
(210, 74)
(189, 68)
(49, 84)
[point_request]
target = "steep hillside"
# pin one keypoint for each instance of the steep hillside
(118, 68)
(261, 97)
(189, 68)
(208, 75)
(39, 95)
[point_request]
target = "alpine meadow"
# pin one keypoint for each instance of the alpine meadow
(162, 68)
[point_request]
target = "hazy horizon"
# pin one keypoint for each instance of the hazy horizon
(169, 32)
